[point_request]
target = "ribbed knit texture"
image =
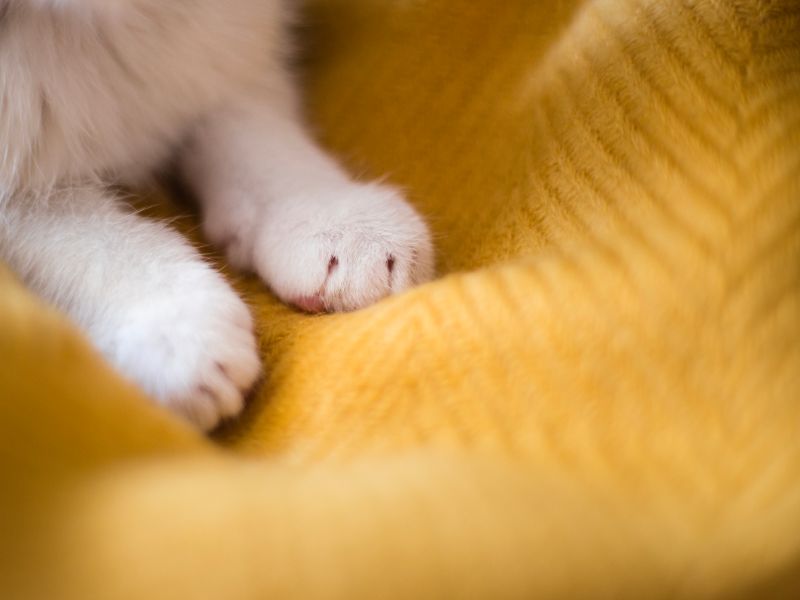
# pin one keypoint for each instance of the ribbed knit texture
(599, 398)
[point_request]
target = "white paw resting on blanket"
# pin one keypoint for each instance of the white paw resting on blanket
(337, 250)
(188, 343)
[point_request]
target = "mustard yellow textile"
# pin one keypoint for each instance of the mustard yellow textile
(599, 398)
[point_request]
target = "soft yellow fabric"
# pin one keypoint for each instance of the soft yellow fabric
(599, 398)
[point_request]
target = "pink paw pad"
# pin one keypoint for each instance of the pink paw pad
(310, 304)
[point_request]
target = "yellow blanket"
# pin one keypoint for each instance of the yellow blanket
(599, 398)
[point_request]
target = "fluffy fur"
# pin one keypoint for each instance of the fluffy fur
(95, 92)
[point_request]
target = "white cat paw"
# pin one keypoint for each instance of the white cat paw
(345, 250)
(189, 344)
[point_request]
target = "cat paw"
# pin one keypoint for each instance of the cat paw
(346, 250)
(189, 345)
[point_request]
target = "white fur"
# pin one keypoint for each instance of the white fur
(101, 91)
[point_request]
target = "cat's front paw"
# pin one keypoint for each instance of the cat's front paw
(345, 250)
(190, 345)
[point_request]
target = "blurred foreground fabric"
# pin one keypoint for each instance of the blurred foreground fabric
(600, 397)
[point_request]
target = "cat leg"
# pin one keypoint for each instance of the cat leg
(147, 300)
(282, 207)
